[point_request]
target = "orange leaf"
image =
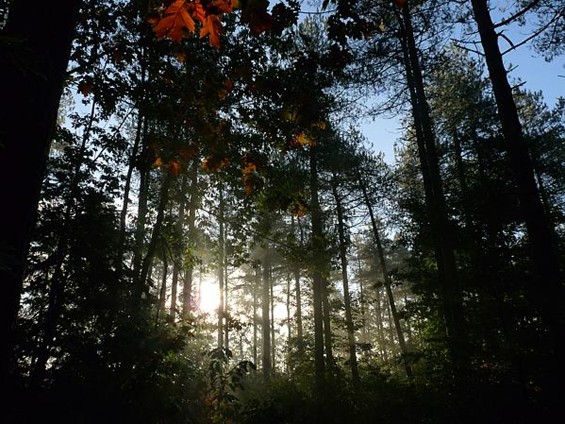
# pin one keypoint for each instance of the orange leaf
(255, 14)
(175, 168)
(248, 189)
(320, 124)
(181, 56)
(225, 90)
(175, 21)
(400, 3)
(196, 10)
(224, 6)
(214, 163)
(157, 162)
(249, 168)
(299, 208)
(85, 88)
(212, 27)
(188, 152)
(302, 139)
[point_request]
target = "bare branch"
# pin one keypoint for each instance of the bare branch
(533, 35)
(521, 12)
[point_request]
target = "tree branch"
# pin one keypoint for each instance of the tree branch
(525, 10)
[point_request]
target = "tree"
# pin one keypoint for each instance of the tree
(547, 289)
(35, 55)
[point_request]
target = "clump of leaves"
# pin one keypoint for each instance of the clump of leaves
(179, 18)
(225, 382)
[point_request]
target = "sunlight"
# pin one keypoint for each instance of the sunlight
(209, 296)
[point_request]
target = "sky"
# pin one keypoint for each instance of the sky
(527, 65)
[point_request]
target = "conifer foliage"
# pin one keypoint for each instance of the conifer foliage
(197, 231)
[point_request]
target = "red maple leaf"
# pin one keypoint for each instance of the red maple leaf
(212, 27)
(176, 21)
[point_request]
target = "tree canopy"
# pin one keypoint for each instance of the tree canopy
(196, 230)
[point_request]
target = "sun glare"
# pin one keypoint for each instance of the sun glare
(209, 298)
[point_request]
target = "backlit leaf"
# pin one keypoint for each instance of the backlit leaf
(255, 14)
(302, 139)
(174, 167)
(157, 162)
(175, 21)
(299, 208)
(212, 27)
(214, 163)
(400, 3)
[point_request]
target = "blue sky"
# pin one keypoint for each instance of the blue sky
(527, 65)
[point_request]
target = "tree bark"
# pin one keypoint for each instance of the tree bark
(265, 316)
(256, 281)
(546, 290)
(178, 258)
(31, 83)
(386, 280)
(221, 255)
(59, 274)
(163, 289)
(141, 283)
(298, 295)
(189, 274)
(317, 282)
(441, 230)
(345, 280)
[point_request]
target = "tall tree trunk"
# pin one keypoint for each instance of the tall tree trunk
(140, 134)
(380, 325)
(141, 285)
(31, 95)
(142, 209)
(328, 337)
(272, 323)
(546, 291)
(345, 280)
(386, 279)
(163, 290)
(189, 274)
(178, 260)
(288, 317)
(265, 316)
(57, 280)
(317, 282)
(298, 296)
(441, 230)
(221, 254)
(362, 300)
(226, 300)
(127, 188)
(256, 282)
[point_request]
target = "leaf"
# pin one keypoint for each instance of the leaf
(188, 152)
(214, 163)
(247, 189)
(157, 162)
(224, 6)
(85, 88)
(254, 13)
(302, 139)
(226, 89)
(181, 56)
(299, 208)
(290, 115)
(176, 21)
(212, 27)
(249, 168)
(320, 124)
(401, 4)
(174, 168)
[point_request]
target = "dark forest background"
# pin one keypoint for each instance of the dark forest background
(141, 172)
